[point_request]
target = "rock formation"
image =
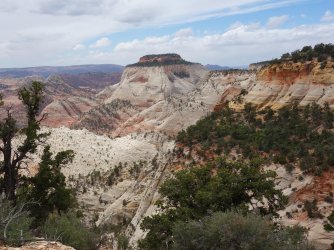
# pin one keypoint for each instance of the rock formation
(117, 173)
(41, 245)
(280, 84)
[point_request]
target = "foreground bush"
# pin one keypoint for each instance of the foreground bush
(232, 230)
(220, 186)
(69, 230)
(15, 222)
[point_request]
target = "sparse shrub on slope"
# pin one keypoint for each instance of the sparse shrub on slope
(292, 135)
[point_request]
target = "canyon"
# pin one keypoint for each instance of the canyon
(130, 127)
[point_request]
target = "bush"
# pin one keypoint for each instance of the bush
(217, 187)
(285, 136)
(122, 242)
(14, 220)
(328, 226)
(69, 230)
(232, 230)
(312, 209)
(328, 199)
(320, 51)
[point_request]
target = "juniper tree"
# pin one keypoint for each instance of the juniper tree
(15, 157)
(48, 186)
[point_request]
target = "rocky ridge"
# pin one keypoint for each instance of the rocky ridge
(63, 103)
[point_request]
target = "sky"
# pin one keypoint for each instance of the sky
(224, 32)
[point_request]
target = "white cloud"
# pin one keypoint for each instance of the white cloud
(102, 42)
(79, 46)
(47, 31)
(276, 21)
(328, 16)
(72, 7)
(184, 33)
(239, 46)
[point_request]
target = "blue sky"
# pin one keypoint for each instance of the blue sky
(225, 32)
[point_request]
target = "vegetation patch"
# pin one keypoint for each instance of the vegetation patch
(298, 136)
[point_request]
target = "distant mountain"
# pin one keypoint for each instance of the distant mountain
(46, 71)
(216, 67)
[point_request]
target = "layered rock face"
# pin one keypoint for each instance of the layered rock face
(63, 103)
(144, 86)
(280, 84)
(154, 92)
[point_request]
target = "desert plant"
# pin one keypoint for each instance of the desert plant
(69, 230)
(234, 230)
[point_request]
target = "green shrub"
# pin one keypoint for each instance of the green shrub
(312, 209)
(14, 220)
(233, 230)
(122, 242)
(69, 230)
(285, 136)
(195, 193)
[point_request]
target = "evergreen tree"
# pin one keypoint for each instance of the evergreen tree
(48, 186)
(13, 157)
(217, 187)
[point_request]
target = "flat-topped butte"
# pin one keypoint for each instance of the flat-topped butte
(160, 60)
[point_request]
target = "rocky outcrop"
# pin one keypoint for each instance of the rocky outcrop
(284, 83)
(155, 94)
(144, 86)
(159, 60)
(41, 245)
(289, 73)
(258, 66)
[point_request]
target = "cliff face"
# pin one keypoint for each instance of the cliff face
(280, 84)
(160, 58)
(154, 94)
(144, 86)
(289, 73)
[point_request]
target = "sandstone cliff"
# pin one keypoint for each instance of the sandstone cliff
(280, 84)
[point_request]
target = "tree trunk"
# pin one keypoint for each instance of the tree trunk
(10, 172)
